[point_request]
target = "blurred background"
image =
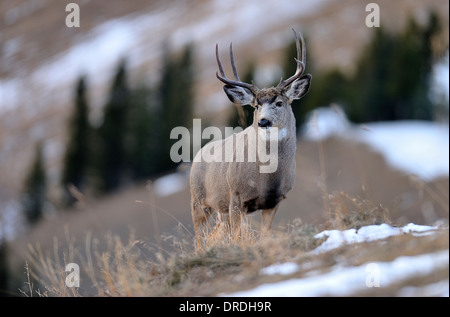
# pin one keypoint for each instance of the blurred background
(86, 112)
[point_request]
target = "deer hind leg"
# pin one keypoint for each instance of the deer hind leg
(267, 219)
(200, 216)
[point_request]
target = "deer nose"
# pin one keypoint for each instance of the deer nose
(264, 123)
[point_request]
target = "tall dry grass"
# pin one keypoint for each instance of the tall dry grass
(113, 267)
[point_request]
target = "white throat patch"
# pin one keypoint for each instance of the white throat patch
(272, 134)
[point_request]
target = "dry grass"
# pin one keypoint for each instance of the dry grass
(355, 212)
(137, 268)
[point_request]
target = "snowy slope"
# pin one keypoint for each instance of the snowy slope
(344, 281)
(420, 148)
(347, 280)
(414, 147)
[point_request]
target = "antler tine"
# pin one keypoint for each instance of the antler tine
(222, 73)
(223, 78)
(236, 76)
(303, 51)
(303, 60)
(301, 63)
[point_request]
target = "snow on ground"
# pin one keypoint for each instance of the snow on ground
(342, 281)
(170, 184)
(337, 238)
(280, 268)
(435, 289)
(414, 147)
(326, 122)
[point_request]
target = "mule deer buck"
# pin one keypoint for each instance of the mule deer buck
(233, 187)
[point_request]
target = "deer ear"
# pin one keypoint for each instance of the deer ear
(240, 95)
(299, 88)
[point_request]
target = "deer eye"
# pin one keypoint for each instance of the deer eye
(279, 104)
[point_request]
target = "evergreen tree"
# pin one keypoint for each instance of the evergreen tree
(111, 134)
(4, 268)
(34, 195)
(391, 81)
(185, 90)
(166, 110)
(175, 102)
(76, 156)
(392, 77)
(140, 140)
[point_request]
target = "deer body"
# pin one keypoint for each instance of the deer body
(235, 187)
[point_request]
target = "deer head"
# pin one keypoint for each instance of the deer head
(272, 105)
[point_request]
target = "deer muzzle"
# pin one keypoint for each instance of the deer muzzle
(264, 123)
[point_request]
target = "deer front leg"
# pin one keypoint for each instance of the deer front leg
(224, 219)
(199, 218)
(235, 214)
(267, 219)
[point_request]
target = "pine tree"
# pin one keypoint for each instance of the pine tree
(175, 102)
(185, 90)
(392, 77)
(34, 195)
(140, 140)
(77, 152)
(4, 268)
(111, 134)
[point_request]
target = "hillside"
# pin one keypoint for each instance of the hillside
(371, 260)
(138, 241)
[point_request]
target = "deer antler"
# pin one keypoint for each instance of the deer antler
(301, 63)
(223, 78)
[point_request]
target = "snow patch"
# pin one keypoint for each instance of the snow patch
(415, 147)
(280, 268)
(170, 184)
(325, 122)
(435, 289)
(420, 148)
(344, 281)
(337, 238)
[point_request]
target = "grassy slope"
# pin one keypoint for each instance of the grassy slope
(125, 268)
